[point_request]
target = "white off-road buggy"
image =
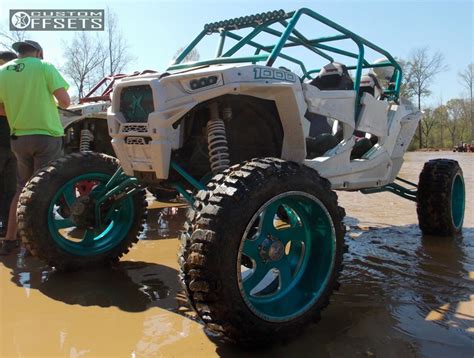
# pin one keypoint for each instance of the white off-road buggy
(257, 151)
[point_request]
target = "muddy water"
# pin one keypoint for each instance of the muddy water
(402, 295)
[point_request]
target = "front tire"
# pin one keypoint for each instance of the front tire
(441, 198)
(251, 275)
(52, 229)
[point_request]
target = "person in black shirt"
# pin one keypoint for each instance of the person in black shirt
(7, 162)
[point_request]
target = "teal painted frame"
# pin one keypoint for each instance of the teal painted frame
(125, 186)
(397, 189)
(290, 37)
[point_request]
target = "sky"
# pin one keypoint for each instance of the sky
(155, 30)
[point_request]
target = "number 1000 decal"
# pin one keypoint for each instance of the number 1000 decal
(274, 74)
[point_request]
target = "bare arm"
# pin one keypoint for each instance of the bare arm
(2, 110)
(63, 97)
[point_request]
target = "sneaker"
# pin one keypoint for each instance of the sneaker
(9, 246)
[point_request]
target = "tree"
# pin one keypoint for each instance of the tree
(84, 57)
(8, 38)
(404, 89)
(457, 114)
(421, 68)
(441, 116)
(89, 58)
(116, 47)
(427, 124)
(190, 57)
(466, 78)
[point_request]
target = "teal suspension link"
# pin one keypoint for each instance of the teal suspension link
(397, 189)
(117, 184)
(180, 189)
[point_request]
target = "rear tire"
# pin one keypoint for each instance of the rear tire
(234, 240)
(52, 233)
(441, 198)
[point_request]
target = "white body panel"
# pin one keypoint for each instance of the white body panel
(87, 110)
(335, 104)
(370, 112)
(173, 97)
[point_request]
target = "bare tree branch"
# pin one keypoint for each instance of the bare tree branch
(420, 70)
(89, 58)
(84, 58)
(457, 111)
(190, 57)
(466, 78)
(8, 38)
(427, 124)
(117, 52)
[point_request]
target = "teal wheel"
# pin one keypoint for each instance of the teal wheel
(284, 266)
(262, 250)
(62, 223)
(441, 198)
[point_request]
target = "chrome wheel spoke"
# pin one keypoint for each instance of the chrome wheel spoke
(255, 278)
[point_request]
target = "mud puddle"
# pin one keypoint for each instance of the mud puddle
(401, 294)
(164, 222)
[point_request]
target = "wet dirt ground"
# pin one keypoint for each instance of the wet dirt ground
(402, 295)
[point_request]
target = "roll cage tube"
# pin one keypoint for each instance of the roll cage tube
(290, 37)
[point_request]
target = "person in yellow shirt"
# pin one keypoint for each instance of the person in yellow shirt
(28, 89)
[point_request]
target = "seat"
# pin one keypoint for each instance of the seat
(316, 147)
(371, 85)
(318, 124)
(333, 76)
(368, 84)
(361, 146)
(320, 139)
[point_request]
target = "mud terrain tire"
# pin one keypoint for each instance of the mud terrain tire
(441, 198)
(34, 214)
(213, 248)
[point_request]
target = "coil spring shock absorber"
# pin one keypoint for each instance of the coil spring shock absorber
(86, 139)
(217, 141)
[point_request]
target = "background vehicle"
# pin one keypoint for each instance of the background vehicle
(257, 151)
(85, 124)
(464, 147)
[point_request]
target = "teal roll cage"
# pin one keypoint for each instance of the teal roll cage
(290, 37)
